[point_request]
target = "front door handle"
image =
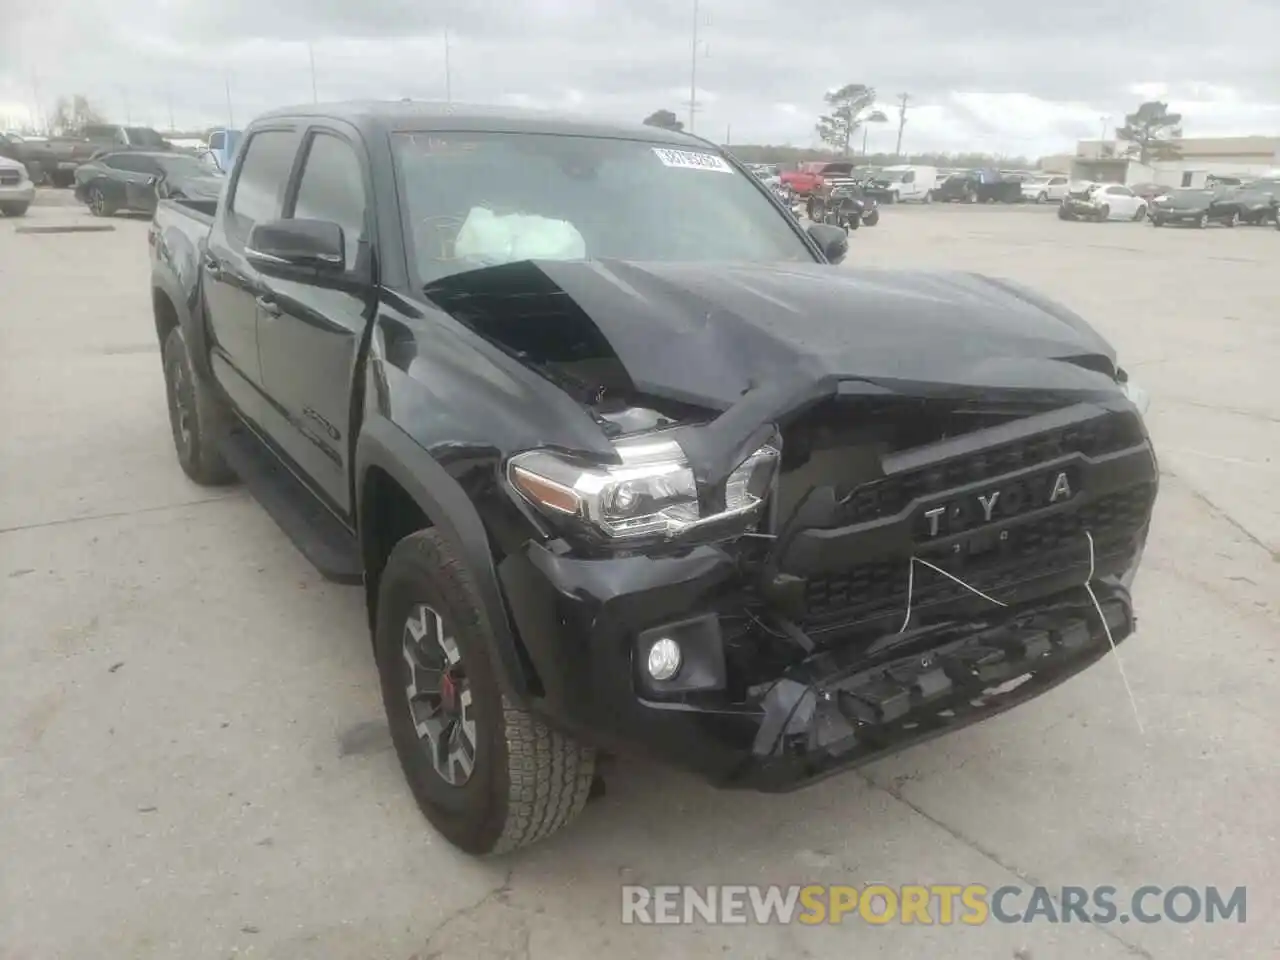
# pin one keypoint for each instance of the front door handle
(212, 267)
(267, 306)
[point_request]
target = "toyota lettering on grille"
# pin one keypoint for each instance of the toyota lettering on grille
(998, 503)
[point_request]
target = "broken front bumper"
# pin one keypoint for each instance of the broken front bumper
(585, 625)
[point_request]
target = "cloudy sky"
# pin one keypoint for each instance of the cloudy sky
(1001, 76)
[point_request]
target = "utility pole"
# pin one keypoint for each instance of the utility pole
(728, 134)
(124, 97)
(37, 118)
(311, 53)
(902, 121)
(693, 67)
(1103, 139)
(448, 73)
(231, 120)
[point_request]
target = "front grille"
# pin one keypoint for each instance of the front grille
(1051, 545)
(10, 178)
(1093, 438)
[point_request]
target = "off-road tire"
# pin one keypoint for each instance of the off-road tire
(14, 209)
(527, 780)
(206, 416)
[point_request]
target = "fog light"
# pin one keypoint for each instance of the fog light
(664, 659)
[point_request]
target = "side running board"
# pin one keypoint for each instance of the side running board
(317, 533)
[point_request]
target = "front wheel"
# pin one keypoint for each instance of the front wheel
(872, 218)
(488, 775)
(14, 209)
(1202, 221)
(1139, 213)
(1042, 197)
(1157, 222)
(1233, 220)
(1104, 213)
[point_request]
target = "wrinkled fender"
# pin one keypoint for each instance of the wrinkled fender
(383, 444)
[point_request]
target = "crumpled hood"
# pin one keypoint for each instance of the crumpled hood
(709, 333)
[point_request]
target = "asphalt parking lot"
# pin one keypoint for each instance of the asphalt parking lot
(193, 761)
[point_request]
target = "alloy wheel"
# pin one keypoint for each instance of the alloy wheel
(97, 202)
(438, 695)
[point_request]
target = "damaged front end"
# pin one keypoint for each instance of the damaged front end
(827, 568)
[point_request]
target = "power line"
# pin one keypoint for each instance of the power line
(901, 120)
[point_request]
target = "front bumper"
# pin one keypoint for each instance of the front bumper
(586, 625)
(1080, 208)
(22, 192)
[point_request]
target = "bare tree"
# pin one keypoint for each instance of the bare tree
(1150, 129)
(70, 115)
(848, 105)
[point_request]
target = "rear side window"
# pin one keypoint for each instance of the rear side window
(332, 189)
(264, 174)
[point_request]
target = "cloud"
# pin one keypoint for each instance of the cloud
(1002, 76)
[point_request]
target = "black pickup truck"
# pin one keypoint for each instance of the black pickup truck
(626, 465)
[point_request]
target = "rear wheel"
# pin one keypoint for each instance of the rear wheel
(99, 205)
(1042, 197)
(489, 776)
(1140, 212)
(1104, 213)
(1157, 222)
(1202, 221)
(872, 218)
(197, 417)
(1233, 220)
(14, 209)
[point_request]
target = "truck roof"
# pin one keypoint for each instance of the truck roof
(388, 116)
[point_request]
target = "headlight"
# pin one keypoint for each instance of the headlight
(651, 493)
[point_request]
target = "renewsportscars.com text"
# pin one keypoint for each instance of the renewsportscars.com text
(940, 904)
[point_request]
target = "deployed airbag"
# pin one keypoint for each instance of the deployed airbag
(491, 239)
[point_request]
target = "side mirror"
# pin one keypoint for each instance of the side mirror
(297, 249)
(833, 241)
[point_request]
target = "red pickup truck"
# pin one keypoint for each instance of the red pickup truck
(809, 176)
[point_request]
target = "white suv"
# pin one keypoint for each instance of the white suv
(1045, 188)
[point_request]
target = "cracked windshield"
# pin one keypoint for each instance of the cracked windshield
(690, 478)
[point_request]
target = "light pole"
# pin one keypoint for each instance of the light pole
(693, 67)
(311, 54)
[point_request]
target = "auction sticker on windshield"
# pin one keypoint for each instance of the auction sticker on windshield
(690, 160)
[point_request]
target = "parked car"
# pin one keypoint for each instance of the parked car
(1194, 207)
(1251, 201)
(1149, 191)
(901, 183)
(811, 175)
(32, 152)
(1100, 202)
(674, 485)
(843, 203)
(95, 139)
(137, 181)
(16, 189)
(1045, 188)
(979, 186)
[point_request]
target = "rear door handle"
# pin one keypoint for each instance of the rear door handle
(267, 306)
(212, 267)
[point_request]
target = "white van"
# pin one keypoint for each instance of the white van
(903, 182)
